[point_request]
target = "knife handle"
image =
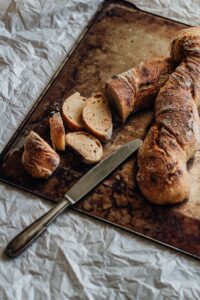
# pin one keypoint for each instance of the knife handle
(34, 230)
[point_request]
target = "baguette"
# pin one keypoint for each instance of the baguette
(86, 145)
(38, 158)
(173, 139)
(72, 111)
(137, 88)
(57, 132)
(97, 117)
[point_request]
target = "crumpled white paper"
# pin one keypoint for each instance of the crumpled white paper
(77, 257)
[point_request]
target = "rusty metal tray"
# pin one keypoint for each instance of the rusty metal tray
(118, 37)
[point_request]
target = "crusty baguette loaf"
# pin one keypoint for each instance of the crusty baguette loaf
(97, 117)
(137, 88)
(57, 132)
(173, 139)
(38, 158)
(72, 111)
(86, 145)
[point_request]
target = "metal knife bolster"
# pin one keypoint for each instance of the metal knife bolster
(71, 201)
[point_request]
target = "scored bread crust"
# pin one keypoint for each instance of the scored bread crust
(38, 158)
(86, 145)
(97, 117)
(72, 111)
(173, 139)
(57, 132)
(136, 88)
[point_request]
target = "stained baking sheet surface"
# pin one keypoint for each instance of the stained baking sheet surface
(120, 37)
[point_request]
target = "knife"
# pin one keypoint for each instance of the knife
(76, 193)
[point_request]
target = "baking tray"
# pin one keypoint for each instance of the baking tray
(119, 37)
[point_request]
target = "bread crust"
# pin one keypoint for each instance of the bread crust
(163, 177)
(38, 158)
(137, 88)
(57, 132)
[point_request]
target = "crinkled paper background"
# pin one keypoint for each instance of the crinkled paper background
(78, 257)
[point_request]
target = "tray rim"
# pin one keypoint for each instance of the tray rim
(13, 138)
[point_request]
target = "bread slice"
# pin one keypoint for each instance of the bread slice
(38, 158)
(86, 145)
(57, 132)
(97, 117)
(72, 111)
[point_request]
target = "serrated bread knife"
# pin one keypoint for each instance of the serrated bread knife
(76, 193)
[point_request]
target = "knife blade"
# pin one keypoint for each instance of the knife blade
(77, 192)
(101, 171)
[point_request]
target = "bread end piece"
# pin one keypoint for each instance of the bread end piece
(57, 132)
(38, 158)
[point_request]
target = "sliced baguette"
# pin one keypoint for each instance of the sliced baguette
(57, 132)
(136, 88)
(38, 158)
(86, 145)
(97, 117)
(121, 96)
(72, 111)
